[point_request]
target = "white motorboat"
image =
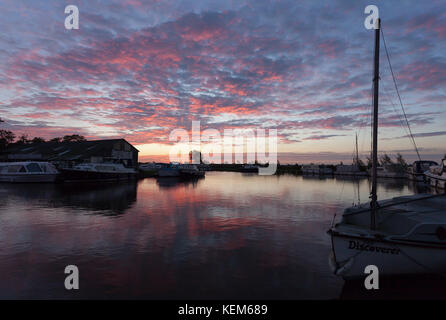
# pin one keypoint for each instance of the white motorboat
(310, 169)
(349, 170)
(249, 168)
(191, 170)
(436, 175)
(171, 170)
(28, 171)
(400, 236)
(98, 172)
(353, 169)
(316, 169)
(149, 169)
(181, 170)
(418, 168)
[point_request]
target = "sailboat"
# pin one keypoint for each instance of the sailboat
(400, 236)
(354, 169)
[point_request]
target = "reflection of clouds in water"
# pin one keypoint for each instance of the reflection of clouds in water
(226, 232)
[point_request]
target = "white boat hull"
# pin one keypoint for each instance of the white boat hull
(436, 181)
(351, 255)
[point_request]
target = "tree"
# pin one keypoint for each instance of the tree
(6, 138)
(73, 138)
(369, 162)
(385, 160)
(23, 139)
(37, 140)
(57, 139)
(400, 160)
(361, 165)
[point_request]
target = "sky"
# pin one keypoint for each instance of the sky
(140, 69)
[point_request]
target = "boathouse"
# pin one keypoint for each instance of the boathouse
(66, 154)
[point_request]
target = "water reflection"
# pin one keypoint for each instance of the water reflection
(229, 235)
(175, 182)
(107, 198)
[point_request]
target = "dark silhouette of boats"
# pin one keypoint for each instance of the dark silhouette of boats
(95, 172)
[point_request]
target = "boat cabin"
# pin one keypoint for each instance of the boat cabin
(422, 166)
(26, 168)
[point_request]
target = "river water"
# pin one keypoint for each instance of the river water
(227, 236)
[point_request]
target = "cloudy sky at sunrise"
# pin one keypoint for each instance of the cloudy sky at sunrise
(139, 69)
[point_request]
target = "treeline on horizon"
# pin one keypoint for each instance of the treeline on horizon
(385, 161)
(8, 138)
(399, 164)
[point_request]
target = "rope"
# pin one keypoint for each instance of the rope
(387, 96)
(399, 96)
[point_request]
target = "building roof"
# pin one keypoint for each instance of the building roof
(64, 150)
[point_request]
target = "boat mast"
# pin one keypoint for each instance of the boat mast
(373, 203)
(357, 155)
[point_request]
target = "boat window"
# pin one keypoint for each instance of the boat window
(33, 167)
(16, 168)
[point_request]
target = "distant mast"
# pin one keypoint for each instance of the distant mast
(373, 196)
(357, 154)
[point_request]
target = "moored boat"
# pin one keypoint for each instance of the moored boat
(191, 170)
(353, 169)
(417, 171)
(400, 236)
(436, 175)
(98, 172)
(171, 170)
(149, 169)
(250, 168)
(409, 237)
(315, 169)
(28, 171)
(310, 169)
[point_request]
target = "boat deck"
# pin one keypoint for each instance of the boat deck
(398, 216)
